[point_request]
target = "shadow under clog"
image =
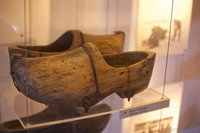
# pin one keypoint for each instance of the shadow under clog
(53, 113)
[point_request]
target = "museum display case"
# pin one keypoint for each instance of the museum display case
(87, 65)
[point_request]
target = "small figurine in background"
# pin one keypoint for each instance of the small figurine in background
(177, 30)
(157, 34)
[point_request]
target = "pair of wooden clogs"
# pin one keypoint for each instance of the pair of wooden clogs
(79, 69)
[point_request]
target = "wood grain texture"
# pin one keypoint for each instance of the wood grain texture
(67, 78)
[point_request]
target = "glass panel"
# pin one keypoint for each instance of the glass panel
(11, 33)
(62, 78)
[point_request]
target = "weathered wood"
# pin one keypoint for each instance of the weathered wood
(68, 78)
(107, 44)
(52, 113)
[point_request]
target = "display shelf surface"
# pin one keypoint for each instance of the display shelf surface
(47, 116)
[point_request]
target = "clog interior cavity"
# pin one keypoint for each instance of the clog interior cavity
(62, 44)
(12, 125)
(124, 59)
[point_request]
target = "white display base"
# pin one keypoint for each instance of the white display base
(165, 120)
(148, 107)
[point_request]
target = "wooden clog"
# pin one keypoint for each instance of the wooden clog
(52, 113)
(82, 77)
(107, 44)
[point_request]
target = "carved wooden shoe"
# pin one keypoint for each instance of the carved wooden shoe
(107, 44)
(51, 113)
(82, 77)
